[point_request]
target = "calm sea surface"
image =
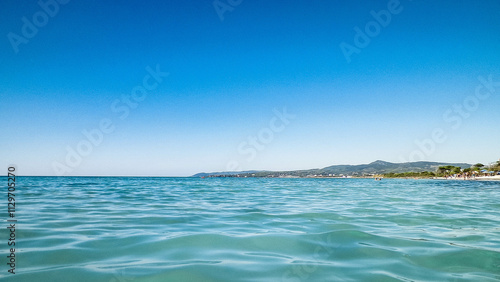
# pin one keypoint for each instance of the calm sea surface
(117, 229)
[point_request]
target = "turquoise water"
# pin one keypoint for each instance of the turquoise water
(189, 229)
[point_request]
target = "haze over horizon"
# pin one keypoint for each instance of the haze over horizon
(181, 87)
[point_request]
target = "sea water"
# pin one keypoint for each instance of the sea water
(253, 229)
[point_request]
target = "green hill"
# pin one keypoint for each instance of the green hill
(376, 167)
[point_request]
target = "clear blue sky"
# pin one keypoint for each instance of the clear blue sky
(226, 77)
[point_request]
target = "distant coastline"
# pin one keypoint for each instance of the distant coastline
(380, 169)
(479, 178)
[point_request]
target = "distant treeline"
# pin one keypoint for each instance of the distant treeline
(411, 174)
(449, 170)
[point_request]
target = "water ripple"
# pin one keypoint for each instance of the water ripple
(188, 229)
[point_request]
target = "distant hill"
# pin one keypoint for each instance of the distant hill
(205, 174)
(381, 167)
(376, 167)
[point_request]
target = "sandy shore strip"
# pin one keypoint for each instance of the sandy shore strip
(481, 178)
(496, 178)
